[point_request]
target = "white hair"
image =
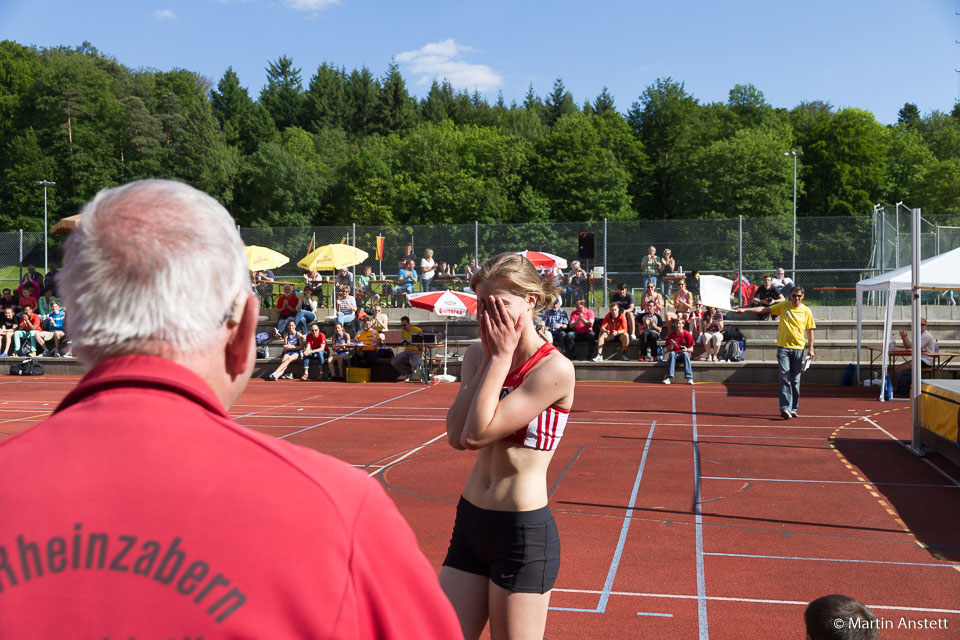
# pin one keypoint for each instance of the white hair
(155, 267)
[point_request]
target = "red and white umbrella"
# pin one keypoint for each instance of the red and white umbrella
(543, 260)
(445, 303)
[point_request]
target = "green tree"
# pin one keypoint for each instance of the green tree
(603, 103)
(843, 166)
(664, 118)
(326, 99)
(283, 95)
(580, 179)
(244, 123)
(559, 103)
(277, 189)
(909, 115)
(363, 95)
(396, 110)
(743, 175)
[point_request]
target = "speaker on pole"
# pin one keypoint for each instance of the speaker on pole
(585, 246)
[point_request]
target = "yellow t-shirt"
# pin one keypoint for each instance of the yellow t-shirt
(794, 322)
(406, 337)
(369, 340)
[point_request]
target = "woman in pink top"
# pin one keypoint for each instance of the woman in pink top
(515, 395)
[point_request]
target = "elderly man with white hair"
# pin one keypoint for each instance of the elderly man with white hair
(140, 508)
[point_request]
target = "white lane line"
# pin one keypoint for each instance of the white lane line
(803, 480)
(840, 560)
(409, 453)
(800, 603)
(352, 413)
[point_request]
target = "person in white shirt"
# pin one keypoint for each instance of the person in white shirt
(428, 268)
(782, 283)
(928, 344)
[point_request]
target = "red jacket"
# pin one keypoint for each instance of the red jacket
(141, 509)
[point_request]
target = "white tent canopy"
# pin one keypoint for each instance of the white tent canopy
(940, 271)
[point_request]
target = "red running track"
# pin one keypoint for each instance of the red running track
(684, 512)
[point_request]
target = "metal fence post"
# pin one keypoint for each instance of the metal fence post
(476, 242)
(740, 258)
(603, 280)
(354, 279)
(20, 261)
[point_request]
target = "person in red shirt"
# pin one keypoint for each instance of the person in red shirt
(141, 509)
(29, 296)
(315, 349)
(580, 328)
(287, 306)
(29, 327)
(679, 346)
(614, 326)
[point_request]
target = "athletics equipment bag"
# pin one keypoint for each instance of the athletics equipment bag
(28, 367)
(733, 352)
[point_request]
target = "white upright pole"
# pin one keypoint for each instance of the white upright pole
(915, 258)
(793, 252)
(45, 184)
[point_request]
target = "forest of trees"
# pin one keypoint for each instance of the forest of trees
(348, 146)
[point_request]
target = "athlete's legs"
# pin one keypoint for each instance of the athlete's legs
(517, 616)
(467, 593)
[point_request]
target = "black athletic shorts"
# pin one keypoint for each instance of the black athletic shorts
(517, 550)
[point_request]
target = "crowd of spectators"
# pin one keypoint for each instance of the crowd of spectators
(32, 319)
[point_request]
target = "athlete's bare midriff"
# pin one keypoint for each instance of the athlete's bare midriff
(509, 477)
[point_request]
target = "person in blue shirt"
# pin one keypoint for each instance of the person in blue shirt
(557, 322)
(54, 330)
(406, 279)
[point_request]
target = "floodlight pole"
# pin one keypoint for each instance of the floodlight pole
(45, 183)
(793, 268)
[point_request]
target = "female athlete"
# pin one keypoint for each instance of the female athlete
(515, 395)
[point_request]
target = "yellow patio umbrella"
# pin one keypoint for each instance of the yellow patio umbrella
(259, 258)
(66, 225)
(331, 257)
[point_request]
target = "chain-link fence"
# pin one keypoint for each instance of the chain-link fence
(832, 253)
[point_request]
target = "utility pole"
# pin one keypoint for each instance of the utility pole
(45, 183)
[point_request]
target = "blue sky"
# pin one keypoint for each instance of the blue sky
(872, 55)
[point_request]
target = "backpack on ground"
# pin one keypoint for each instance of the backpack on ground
(733, 352)
(28, 367)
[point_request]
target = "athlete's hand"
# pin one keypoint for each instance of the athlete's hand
(502, 331)
(484, 338)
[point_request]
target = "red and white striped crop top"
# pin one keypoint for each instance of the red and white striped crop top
(545, 430)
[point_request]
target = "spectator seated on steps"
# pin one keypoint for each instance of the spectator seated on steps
(624, 298)
(407, 361)
(613, 327)
(650, 325)
(314, 350)
(767, 294)
(679, 346)
(580, 328)
(287, 307)
(366, 355)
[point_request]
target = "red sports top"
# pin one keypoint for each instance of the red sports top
(141, 510)
(544, 431)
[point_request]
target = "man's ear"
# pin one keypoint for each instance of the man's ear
(242, 325)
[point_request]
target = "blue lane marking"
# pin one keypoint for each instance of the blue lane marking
(618, 553)
(659, 615)
(701, 581)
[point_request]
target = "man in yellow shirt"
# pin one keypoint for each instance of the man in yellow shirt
(795, 330)
(367, 354)
(407, 361)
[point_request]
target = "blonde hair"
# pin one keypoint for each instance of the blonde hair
(518, 276)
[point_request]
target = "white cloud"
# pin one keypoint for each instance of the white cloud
(310, 5)
(442, 61)
(164, 14)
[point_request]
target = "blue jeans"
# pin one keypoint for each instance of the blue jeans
(684, 357)
(346, 319)
(573, 338)
(791, 362)
(282, 323)
(427, 284)
(302, 318)
(647, 279)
